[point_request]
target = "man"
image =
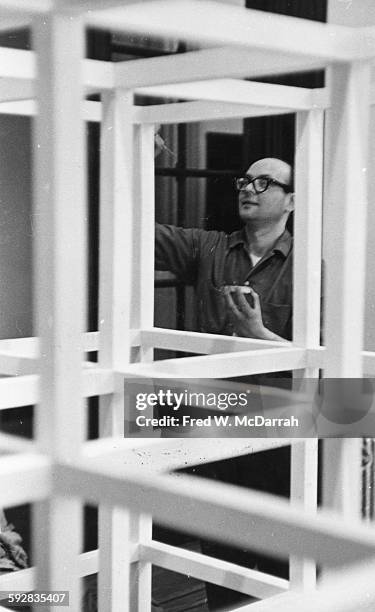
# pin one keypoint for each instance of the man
(258, 256)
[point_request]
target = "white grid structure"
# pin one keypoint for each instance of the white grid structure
(60, 471)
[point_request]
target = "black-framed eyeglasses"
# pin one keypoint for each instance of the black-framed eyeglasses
(259, 183)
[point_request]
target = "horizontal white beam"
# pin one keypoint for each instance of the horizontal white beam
(195, 342)
(19, 64)
(12, 365)
(24, 390)
(91, 111)
(24, 478)
(16, 444)
(88, 563)
(15, 365)
(17, 75)
(22, 108)
(97, 381)
(97, 75)
(233, 25)
(28, 7)
(29, 347)
(349, 590)
(20, 13)
(24, 580)
(20, 347)
(190, 112)
(11, 22)
(222, 512)
(245, 92)
(91, 5)
(16, 89)
(90, 341)
(209, 569)
(19, 391)
(183, 112)
(161, 113)
(21, 351)
(317, 357)
(166, 455)
(223, 365)
(203, 64)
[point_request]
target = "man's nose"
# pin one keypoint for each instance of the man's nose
(250, 188)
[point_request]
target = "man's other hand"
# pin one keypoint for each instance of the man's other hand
(246, 314)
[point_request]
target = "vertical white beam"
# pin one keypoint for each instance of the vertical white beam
(59, 212)
(123, 253)
(345, 220)
(124, 582)
(342, 476)
(115, 281)
(144, 196)
(345, 217)
(115, 248)
(306, 306)
(143, 295)
(304, 492)
(357, 14)
(308, 228)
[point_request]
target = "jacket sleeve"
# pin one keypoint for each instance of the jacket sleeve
(178, 250)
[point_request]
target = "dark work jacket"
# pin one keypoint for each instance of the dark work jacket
(209, 260)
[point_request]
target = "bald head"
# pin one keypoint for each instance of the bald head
(271, 166)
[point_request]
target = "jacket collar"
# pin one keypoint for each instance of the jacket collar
(282, 245)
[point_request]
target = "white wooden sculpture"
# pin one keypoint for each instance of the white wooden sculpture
(60, 471)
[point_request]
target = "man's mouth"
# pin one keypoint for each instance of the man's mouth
(248, 203)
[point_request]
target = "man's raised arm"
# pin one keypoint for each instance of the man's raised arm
(177, 250)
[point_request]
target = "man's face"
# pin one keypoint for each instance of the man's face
(273, 204)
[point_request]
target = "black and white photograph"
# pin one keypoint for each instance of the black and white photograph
(187, 305)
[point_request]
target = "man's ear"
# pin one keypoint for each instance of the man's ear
(290, 202)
